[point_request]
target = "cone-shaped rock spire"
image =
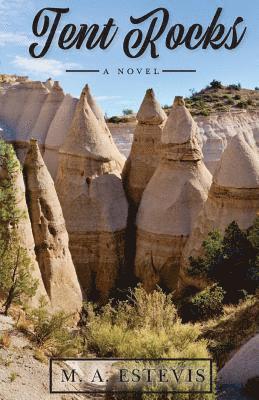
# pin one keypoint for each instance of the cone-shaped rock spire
(180, 135)
(50, 234)
(171, 201)
(144, 155)
(150, 112)
(234, 196)
(239, 165)
(93, 201)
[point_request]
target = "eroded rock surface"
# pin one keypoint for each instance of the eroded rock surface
(145, 150)
(92, 197)
(234, 196)
(171, 201)
(50, 235)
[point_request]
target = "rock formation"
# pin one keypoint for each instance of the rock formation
(50, 235)
(213, 147)
(57, 132)
(144, 155)
(93, 201)
(171, 201)
(234, 196)
(25, 232)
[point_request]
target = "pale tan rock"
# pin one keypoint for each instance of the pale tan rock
(93, 201)
(48, 112)
(171, 201)
(36, 95)
(57, 132)
(26, 236)
(234, 196)
(50, 235)
(145, 151)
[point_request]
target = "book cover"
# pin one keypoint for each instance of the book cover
(129, 200)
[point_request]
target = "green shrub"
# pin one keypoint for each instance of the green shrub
(127, 112)
(235, 86)
(204, 305)
(216, 84)
(146, 325)
(52, 332)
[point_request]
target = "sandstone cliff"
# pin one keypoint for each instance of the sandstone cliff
(171, 201)
(93, 201)
(145, 151)
(234, 196)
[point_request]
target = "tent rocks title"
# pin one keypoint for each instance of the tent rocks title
(149, 32)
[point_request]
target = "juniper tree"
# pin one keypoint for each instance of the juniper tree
(16, 282)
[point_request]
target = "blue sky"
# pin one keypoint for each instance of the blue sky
(114, 92)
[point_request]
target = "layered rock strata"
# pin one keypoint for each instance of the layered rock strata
(234, 196)
(94, 204)
(50, 235)
(171, 201)
(145, 150)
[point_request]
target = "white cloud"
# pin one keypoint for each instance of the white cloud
(42, 67)
(107, 98)
(13, 38)
(9, 8)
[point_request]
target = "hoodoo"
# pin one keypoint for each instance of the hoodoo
(144, 155)
(234, 196)
(171, 201)
(25, 232)
(94, 204)
(50, 234)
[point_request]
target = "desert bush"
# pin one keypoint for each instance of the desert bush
(204, 305)
(117, 120)
(146, 325)
(235, 86)
(52, 332)
(127, 112)
(216, 84)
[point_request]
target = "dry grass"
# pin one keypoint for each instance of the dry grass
(227, 333)
(5, 340)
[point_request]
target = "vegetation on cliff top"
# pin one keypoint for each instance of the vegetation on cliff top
(217, 98)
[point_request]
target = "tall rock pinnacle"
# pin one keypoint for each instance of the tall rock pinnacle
(144, 155)
(50, 234)
(93, 201)
(171, 201)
